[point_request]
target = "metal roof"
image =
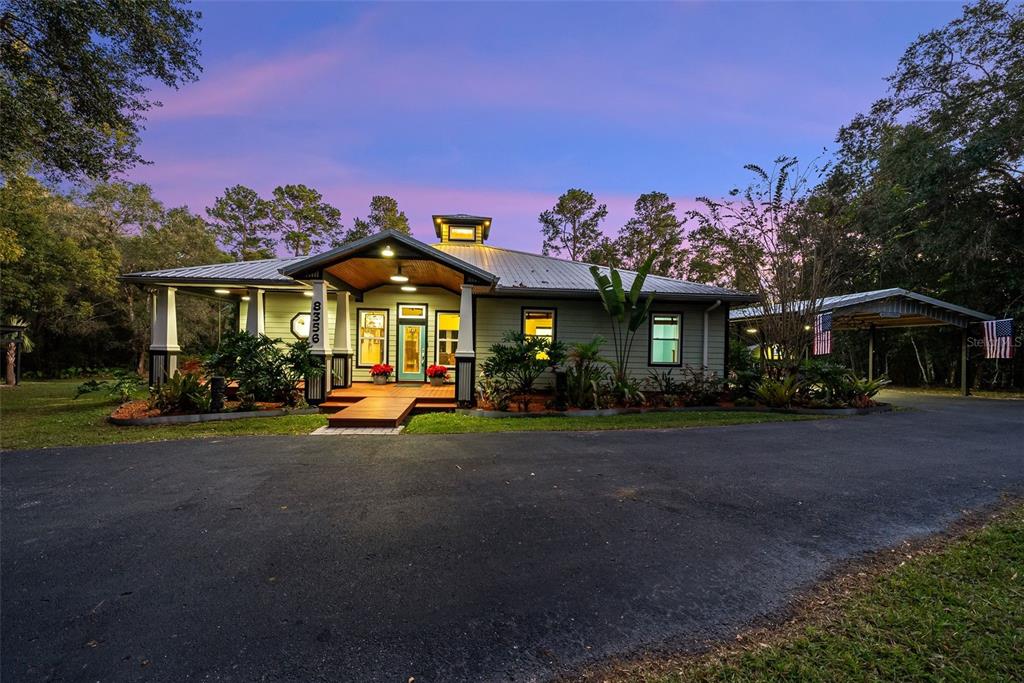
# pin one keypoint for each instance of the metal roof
(514, 272)
(520, 272)
(837, 304)
(264, 271)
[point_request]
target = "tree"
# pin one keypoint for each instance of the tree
(384, 215)
(302, 217)
(656, 232)
(572, 227)
(244, 223)
(782, 245)
(75, 76)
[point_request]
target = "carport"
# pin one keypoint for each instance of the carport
(886, 308)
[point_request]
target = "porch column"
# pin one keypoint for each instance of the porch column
(465, 352)
(341, 359)
(255, 315)
(163, 339)
(317, 387)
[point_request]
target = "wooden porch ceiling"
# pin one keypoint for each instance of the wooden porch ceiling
(366, 273)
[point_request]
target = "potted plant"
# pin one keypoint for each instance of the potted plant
(437, 374)
(380, 373)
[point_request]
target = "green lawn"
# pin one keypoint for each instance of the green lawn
(954, 615)
(40, 414)
(450, 423)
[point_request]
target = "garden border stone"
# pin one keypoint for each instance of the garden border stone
(606, 412)
(206, 417)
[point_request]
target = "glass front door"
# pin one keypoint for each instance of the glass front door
(412, 352)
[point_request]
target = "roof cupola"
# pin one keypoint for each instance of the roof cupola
(462, 228)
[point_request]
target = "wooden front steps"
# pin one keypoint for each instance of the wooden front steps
(388, 405)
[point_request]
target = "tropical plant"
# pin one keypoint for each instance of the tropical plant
(626, 391)
(586, 374)
(494, 391)
(863, 390)
(626, 309)
(264, 371)
(518, 360)
(778, 393)
(181, 393)
(124, 386)
(664, 385)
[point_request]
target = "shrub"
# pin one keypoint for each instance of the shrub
(778, 393)
(124, 386)
(181, 393)
(263, 370)
(517, 361)
(586, 374)
(495, 392)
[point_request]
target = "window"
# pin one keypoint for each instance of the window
(447, 338)
(462, 234)
(300, 326)
(665, 340)
(417, 311)
(373, 327)
(539, 322)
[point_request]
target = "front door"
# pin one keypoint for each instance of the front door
(412, 352)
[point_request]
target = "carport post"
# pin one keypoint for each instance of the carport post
(871, 353)
(963, 363)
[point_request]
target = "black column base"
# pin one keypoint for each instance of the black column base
(318, 386)
(162, 365)
(465, 381)
(341, 371)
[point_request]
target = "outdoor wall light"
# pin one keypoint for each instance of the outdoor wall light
(222, 291)
(807, 327)
(408, 288)
(398, 277)
(386, 251)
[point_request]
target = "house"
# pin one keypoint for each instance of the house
(390, 298)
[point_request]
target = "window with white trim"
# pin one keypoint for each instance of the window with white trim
(373, 335)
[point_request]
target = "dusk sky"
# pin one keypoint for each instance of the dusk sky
(496, 109)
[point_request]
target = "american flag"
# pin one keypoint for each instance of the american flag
(823, 333)
(999, 338)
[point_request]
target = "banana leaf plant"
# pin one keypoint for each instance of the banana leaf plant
(627, 310)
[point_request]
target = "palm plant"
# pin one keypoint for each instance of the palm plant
(627, 310)
(585, 374)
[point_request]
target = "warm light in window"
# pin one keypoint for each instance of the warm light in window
(467, 234)
(222, 291)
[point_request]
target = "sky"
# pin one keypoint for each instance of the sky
(496, 109)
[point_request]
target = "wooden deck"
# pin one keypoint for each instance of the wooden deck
(384, 405)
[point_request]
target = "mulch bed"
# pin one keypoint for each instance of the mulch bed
(133, 410)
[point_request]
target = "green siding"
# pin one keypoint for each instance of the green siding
(577, 320)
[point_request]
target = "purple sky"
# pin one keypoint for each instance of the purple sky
(496, 109)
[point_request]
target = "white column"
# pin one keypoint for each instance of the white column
(164, 335)
(343, 325)
(318, 318)
(465, 344)
(255, 322)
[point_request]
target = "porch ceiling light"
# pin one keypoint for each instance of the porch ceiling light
(222, 291)
(387, 252)
(408, 288)
(245, 298)
(751, 330)
(307, 293)
(398, 277)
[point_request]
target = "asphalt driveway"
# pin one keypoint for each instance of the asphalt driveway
(449, 558)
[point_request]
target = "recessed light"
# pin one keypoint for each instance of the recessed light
(245, 298)
(751, 330)
(307, 293)
(408, 288)
(222, 291)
